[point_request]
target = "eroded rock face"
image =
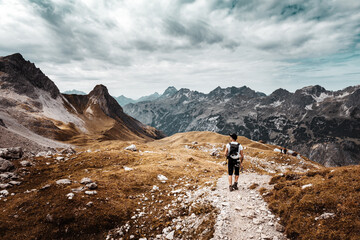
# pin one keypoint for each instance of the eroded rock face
(22, 76)
(319, 124)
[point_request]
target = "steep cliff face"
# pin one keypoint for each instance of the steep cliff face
(22, 76)
(34, 105)
(322, 125)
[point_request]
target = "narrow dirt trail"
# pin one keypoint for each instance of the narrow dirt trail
(243, 213)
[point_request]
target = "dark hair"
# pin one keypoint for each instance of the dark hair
(233, 136)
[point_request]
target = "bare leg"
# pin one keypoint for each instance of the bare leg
(230, 179)
(236, 178)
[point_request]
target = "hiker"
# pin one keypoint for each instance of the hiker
(235, 156)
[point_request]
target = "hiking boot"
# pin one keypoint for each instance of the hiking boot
(231, 188)
(235, 186)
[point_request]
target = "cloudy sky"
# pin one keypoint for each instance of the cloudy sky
(137, 47)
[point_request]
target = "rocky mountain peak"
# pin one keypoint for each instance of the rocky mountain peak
(24, 77)
(99, 90)
(100, 95)
(280, 94)
(170, 91)
(312, 90)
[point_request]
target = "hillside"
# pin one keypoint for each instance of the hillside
(35, 113)
(170, 189)
(322, 125)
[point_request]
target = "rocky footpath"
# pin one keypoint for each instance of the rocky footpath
(243, 213)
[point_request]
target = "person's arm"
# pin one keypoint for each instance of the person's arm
(241, 156)
(226, 151)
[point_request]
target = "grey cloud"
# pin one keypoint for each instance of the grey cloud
(196, 32)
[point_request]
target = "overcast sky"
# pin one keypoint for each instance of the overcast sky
(137, 47)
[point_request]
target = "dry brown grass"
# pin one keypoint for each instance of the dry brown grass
(24, 215)
(335, 191)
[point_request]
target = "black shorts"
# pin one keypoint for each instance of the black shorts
(233, 164)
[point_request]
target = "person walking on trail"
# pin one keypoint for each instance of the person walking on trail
(235, 156)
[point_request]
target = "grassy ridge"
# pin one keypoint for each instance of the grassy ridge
(322, 204)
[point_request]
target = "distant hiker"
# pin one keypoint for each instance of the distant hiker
(235, 156)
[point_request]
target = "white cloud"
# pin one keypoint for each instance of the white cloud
(139, 47)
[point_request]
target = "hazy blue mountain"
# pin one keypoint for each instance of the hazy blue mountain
(122, 100)
(149, 97)
(74, 91)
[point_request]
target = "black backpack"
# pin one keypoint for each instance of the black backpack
(234, 149)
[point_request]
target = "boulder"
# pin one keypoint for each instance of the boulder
(70, 195)
(15, 183)
(11, 153)
(162, 177)
(127, 168)
(132, 147)
(5, 185)
(170, 236)
(4, 193)
(91, 192)
(6, 165)
(8, 175)
(92, 186)
(25, 163)
(86, 180)
(63, 181)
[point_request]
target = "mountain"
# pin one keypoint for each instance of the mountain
(74, 91)
(169, 92)
(122, 100)
(32, 107)
(322, 125)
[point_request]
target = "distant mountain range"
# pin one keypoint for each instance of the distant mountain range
(122, 100)
(32, 107)
(322, 125)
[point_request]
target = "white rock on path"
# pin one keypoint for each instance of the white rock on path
(170, 236)
(63, 181)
